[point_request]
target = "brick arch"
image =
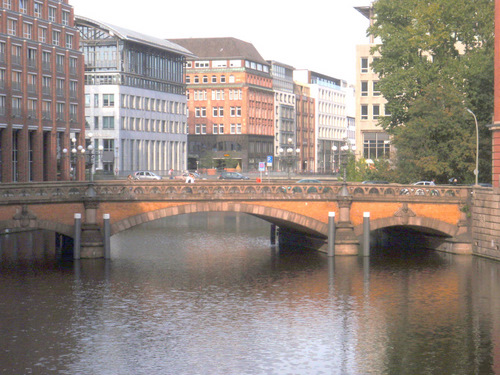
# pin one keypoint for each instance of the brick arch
(415, 222)
(274, 215)
(67, 230)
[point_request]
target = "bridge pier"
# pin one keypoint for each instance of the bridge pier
(92, 242)
(346, 242)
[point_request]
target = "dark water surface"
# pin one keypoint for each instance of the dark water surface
(207, 294)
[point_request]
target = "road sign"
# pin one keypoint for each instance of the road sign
(270, 161)
(262, 166)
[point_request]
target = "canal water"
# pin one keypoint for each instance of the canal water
(207, 294)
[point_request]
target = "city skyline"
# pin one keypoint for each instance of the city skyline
(324, 41)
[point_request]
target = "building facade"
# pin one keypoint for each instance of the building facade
(305, 121)
(135, 102)
(372, 142)
(285, 127)
(331, 98)
(41, 90)
(231, 104)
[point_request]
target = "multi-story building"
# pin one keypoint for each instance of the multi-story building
(372, 142)
(305, 117)
(135, 102)
(285, 131)
(331, 123)
(231, 103)
(41, 90)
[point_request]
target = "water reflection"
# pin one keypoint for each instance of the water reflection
(207, 294)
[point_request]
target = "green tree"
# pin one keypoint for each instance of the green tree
(436, 59)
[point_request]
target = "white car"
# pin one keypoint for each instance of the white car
(424, 183)
(146, 175)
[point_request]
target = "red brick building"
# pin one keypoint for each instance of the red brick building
(231, 104)
(41, 90)
(305, 112)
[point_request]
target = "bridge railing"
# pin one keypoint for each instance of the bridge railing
(121, 190)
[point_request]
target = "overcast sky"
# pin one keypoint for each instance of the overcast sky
(318, 35)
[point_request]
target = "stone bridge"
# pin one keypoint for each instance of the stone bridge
(297, 209)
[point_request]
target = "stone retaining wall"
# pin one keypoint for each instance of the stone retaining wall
(485, 213)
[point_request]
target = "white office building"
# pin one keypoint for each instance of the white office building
(135, 102)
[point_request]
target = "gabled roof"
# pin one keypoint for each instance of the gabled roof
(133, 36)
(217, 48)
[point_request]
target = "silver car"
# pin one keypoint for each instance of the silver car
(146, 175)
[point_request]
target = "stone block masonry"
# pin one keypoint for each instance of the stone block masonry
(486, 223)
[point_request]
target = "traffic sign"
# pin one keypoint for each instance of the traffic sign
(270, 161)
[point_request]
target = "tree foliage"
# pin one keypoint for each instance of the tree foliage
(436, 59)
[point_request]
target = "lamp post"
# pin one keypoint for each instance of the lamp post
(345, 151)
(334, 149)
(476, 171)
(92, 155)
(74, 154)
(289, 156)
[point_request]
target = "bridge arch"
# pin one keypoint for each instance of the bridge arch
(416, 222)
(280, 217)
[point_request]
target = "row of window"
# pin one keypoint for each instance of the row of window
(32, 106)
(375, 113)
(217, 129)
(217, 112)
(41, 34)
(32, 84)
(365, 66)
(204, 79)
(36, 9)
(365, 90)
(136, 124)
(216, 95)
(135, 102)
(16, 58)
(200, 64)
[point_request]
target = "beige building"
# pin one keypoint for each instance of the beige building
(372, 142)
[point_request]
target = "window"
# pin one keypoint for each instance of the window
(69, 41)
(56, 35)
(46, 60)
(16, 80)
(27, 30)
(196, 79)
(32, 83)
(73, 111)
(65, 18)
(23, 6)
(87, 100)
(364, 65)
(32, 104)
(108, 122)
(42, 34)
(376, 145)
(7, 4)
(38, 10)
(60, 87)
(52, 14)
(60, 109)
(214, 79)
(364, 112)
(376, 90)
(364, 88)
(46, 85)
(16, 107)
(205, 79)
(96, 100)
(46, 110)
(108, 100)
(222, 79)
(11, 27)
(3, 102)
(376, 111)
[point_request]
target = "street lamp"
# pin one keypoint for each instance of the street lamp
(346, 149)
(476, 171)
(289, 156)
(334, 149)
(92, 154)
(76, 152)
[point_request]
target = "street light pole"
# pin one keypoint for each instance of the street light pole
(476, 171)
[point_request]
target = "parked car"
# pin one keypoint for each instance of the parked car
(424, 183)
(308, 181)
(146, 175)
(186, 174)
(375, 182)
(232, 176)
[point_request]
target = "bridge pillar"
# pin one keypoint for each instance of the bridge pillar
(346, 242)
(92, 242)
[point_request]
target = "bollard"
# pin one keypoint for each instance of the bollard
(331, 234)
(78, 236)
(107, 236)
(273, 234)
(366, 234)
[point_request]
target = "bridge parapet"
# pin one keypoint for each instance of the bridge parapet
(121, 190)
